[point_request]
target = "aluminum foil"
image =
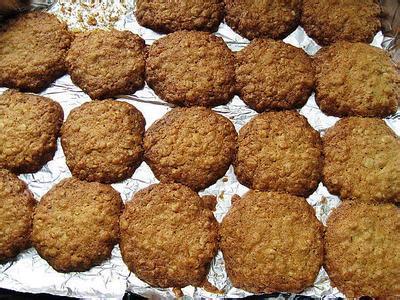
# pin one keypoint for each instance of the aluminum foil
(30, 273)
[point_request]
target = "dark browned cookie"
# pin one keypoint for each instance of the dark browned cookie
(191, 68)
(168, 236)
(33, 47)
(279, 151)
(362, 160)
(107, 63)
(193, 146)
(362, 245)
(356, 79)
(16, 211)
(29, 127)
(102, 140)
(267, 19)
(328, 21)
(167, 16)
(273, 75)
(76, 224)
(272, 242)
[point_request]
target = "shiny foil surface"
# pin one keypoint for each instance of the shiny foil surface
(30, 273)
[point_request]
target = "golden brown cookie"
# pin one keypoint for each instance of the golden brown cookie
(191, 68)
(362, 160)
(356, 79)
(168, 16)
(193, 146)
(267, 19)
(107, 63)
(16, 211)
(168, 236)
(329, 21)
(76, 224)
(33, 47)
(362, 247)
(273, 75)
(29, 127)
(279, 151)
(272, 242)
(102, 140)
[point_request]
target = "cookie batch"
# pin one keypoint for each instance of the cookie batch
(271, 239)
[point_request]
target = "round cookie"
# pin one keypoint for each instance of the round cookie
(193, 146)
(16, 211)
(191, 68)
(362, 160)
(263, 19)
(273, 75)
(102, 140)
(168, 16)
(168, 236)
(279, 151)
(107, 63)
(29, 127)
(76, 224)
(362, 245)
(356, 79)
(272, 242)
(33, 47)
(328, 21)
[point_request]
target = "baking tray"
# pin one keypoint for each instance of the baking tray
(30, 273)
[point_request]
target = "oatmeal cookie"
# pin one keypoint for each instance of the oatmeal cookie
(102, 140)
(168, 236)
(193, 146)
(33, 47)
(29, 127)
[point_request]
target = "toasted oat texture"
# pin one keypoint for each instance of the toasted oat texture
(279, 151)
(16, 212)
(273, 75)
(272, 242)
(193, 146)
(191, 68)
(356, 79)
(362, 160)
(168, 236)
(328, 21)
(33, 47)
(264, 19)
(102, 140)
(107, 63)
(168, 16)
(29, 127)
(362, 247)
(76, 224)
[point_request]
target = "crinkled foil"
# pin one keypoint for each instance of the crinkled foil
(30, 273)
